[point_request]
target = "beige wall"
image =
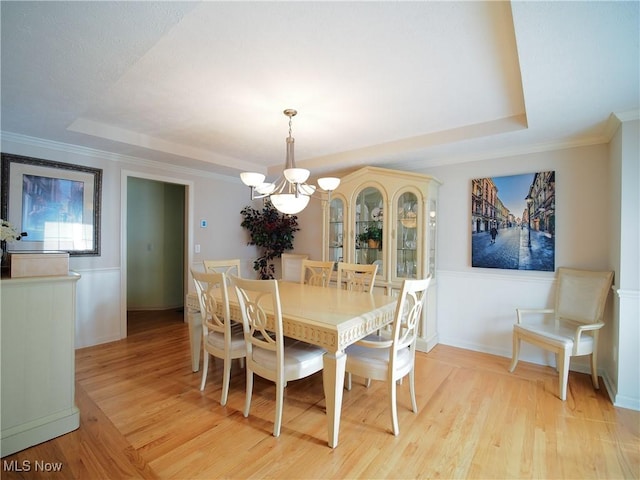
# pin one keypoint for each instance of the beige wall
(476, 306)
(623, 363)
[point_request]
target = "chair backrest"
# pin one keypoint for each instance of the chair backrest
(581, 295)
(206, 286)
(260, 302)
(292, 265)
(356, 277)
(228, 267)
(316, 272)
(408, 314)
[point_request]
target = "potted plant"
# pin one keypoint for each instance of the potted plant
(272, 231)
(372, 235)
(8, 233)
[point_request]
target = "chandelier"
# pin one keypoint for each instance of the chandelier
(290, 193)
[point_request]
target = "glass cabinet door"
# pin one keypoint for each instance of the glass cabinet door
(336, 230)
(431, 237)
(407, 236)
(369, 228)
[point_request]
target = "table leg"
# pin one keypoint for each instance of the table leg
(194, 320)
(333, 381)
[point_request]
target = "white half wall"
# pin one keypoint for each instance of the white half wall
(98, 307)
(477, 312)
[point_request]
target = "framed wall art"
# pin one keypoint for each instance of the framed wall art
(57, 204)
(513, 222)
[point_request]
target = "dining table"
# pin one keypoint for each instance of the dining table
(331, 318)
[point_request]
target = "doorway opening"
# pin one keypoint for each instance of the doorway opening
(155, 249)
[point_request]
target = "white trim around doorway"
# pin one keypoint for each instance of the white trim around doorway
(188, 231)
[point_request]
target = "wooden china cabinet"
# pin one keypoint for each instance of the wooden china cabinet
(387, 217)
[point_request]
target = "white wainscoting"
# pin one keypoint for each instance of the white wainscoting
(477, 311)
(626, 393)
(98, 309)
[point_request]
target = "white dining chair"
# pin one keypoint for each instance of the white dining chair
(392, 357)
(228, 267)
(221, 337)
(570, 328)
(356, 277)
(316, 272)
(270, 354)
(291, 264)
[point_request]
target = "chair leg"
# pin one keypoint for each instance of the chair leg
(594, 369)
(347, 380)
(563, 375)
(279, 401)
(412, 392)
(226, 377)
(515, 353)
(205, 368)
(394, 407)
(247, 400)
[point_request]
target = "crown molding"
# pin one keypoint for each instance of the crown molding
(613, 123)
(628, 116)
(618, 118)
(108, 156)
(503, 153)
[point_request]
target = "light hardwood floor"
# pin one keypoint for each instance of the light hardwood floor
(143, 416)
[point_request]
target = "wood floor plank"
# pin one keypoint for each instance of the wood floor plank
(143, 416)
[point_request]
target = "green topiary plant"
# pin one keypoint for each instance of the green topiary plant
(272, 231)
(373, 232)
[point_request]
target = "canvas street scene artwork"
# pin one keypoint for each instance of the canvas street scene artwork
(513, 222)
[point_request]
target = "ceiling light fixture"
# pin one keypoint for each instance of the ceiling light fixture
(290, 193)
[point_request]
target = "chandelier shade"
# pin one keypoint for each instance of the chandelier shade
(328, 183)
(265, 188)
(289, 203)
(296, 175)
(290, 194)
(252, 179)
